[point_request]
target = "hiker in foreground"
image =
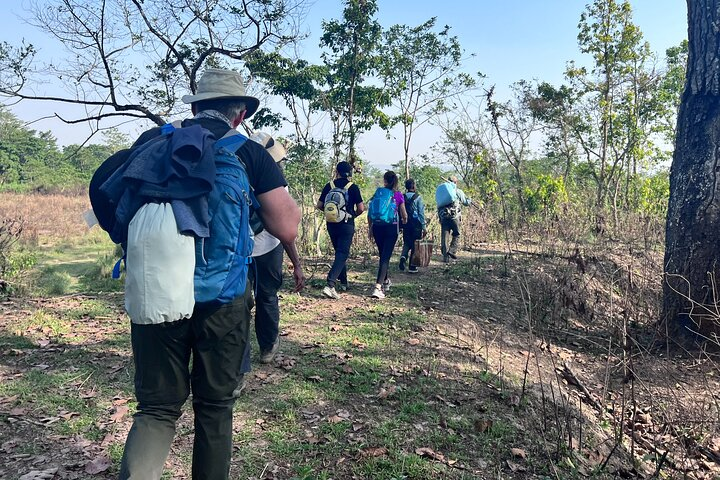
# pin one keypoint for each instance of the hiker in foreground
(385, 210)
(449, 198)
(414, 229)
(216, 332)
(266, 271)
(341, 202)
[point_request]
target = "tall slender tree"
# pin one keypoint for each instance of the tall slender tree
(421, 71)
(351, 57)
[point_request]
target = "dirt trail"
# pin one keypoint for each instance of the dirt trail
(445, 378)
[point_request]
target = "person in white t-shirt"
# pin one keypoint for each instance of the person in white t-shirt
(266, 272)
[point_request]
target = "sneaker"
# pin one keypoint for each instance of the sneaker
(343, 287)
(386, 285)
(412, 269)
(266, 356)
(377, 293)
(330, 292)
(240, 388)
(402, 263)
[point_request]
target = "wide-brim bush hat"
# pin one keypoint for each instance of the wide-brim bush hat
(274, 148)
(218, 83)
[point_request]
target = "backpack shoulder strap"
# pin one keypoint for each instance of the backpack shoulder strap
(412, 200)
(332, 184)
(347, 187)
(231, 141)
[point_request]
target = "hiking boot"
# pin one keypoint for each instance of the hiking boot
(266, 356)
(343, 287)
(402, 263)
(386, 285)
(377, 293)
(330, 292)
(412, 269)
(240, 388)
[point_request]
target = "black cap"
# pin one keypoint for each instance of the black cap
(344, 169)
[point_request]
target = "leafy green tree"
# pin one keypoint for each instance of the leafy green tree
(420, 69)
(350, 57)
(607, 115)
(546, 196)
(514, 125)
(26, 156)
(554, 108)
(670, 89)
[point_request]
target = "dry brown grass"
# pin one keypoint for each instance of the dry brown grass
(46, 217)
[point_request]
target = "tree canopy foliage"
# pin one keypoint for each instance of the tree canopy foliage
(599, 140)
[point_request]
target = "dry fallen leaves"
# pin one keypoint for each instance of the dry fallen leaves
(518, 452)
(119, 413)
(98, 465)
(386, 392)
(46, 474)
(515, 467)
(373, 452)
(430, 453)
(483, 425)
(18, 412)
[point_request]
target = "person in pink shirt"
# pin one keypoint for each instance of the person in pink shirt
(386, 209)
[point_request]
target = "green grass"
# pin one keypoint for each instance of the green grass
(19, 342)
(51, 393)
(89, 309)
(79, 265)
(43, 322)
(53, 281)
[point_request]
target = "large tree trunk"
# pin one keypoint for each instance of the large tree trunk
(692, 244)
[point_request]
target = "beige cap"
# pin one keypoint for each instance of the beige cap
(274, 148)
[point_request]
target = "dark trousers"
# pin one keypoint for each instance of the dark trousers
(341, 236)
(266, 272)
(385, 236)
(409, 236)
(215, 339)
(449, 226)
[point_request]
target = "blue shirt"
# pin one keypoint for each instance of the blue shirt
(418, 207)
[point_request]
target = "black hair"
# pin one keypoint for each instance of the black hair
(409, 184)
(391, 179)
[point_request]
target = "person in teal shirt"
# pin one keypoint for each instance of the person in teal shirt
(449, 215)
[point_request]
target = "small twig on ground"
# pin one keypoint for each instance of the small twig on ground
(573, 380)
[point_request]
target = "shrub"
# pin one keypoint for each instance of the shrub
(10, 265)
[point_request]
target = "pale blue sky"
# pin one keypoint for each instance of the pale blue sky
(511, 40)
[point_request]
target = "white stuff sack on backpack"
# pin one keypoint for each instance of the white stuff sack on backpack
(160, 264)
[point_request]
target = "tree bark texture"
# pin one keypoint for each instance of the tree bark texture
(692, 244)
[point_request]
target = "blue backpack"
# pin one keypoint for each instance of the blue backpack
(445, 194)
(221, 260)
(382, 208)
